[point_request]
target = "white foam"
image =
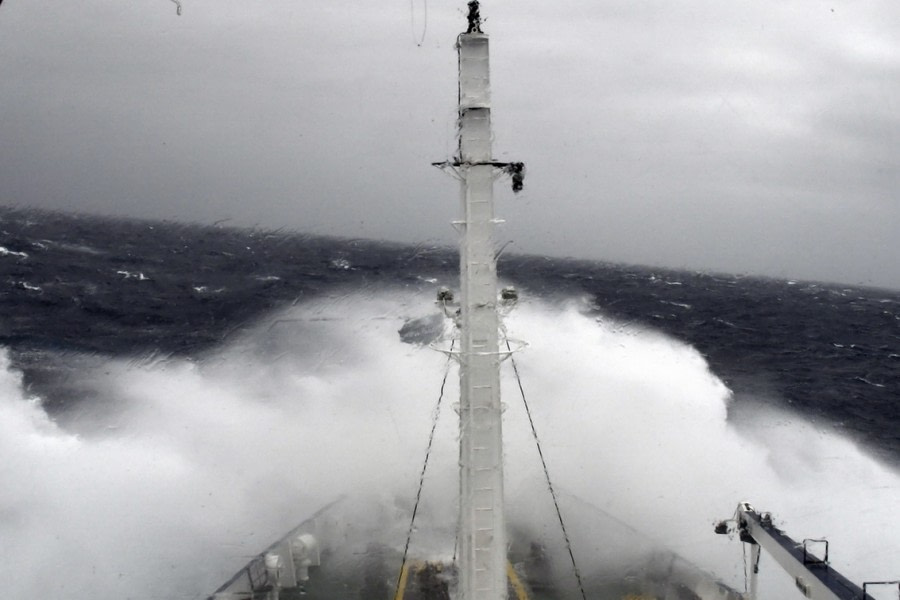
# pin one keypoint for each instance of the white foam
(7, 252)
(202, 464)
(636, 424)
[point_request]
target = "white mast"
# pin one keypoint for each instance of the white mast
(482, 527)
(482, 553)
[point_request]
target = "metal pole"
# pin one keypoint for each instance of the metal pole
(754, 571)
(482, 557)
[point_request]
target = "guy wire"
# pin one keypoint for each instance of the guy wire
(412, 521)
(412, 21)
(537, 442)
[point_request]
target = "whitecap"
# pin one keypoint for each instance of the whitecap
(7, 252)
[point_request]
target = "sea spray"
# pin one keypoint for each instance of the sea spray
(204, 462)
(634, 424)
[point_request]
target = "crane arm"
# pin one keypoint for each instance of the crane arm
(813, 575)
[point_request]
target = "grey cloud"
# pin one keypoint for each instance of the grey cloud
(750, 137)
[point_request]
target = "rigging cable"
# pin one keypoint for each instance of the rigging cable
(537, 442)
(412, 21)
(412, 521)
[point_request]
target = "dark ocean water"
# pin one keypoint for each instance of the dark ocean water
(73, 287)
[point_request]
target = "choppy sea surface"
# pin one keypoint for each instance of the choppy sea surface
(76, 285)
(116, 330)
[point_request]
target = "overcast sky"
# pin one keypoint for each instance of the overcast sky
(752, 136)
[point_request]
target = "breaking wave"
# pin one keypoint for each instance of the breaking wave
(199, 464)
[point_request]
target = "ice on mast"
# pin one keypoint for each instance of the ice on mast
(482, 535)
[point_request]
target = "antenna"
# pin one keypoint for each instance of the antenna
(474, 17)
